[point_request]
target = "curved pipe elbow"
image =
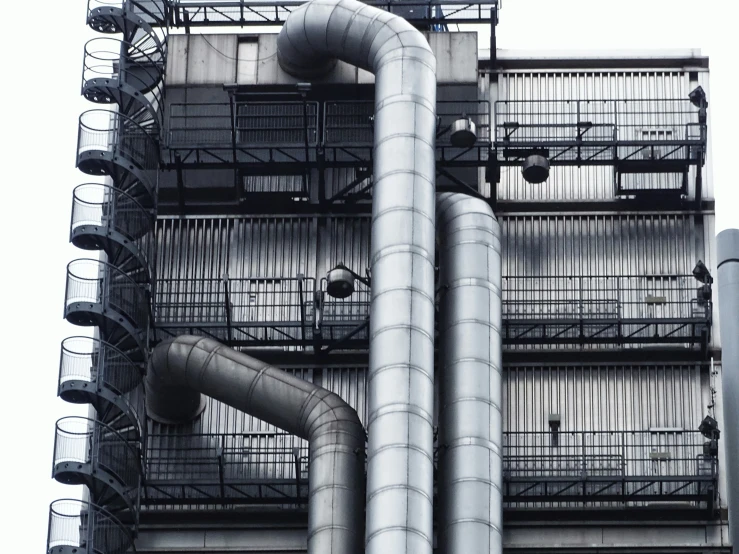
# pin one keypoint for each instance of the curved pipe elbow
(183, 369)
(320, 32)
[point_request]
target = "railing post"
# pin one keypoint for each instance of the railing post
(584, 473)
(296, 460)
(227, 308)
(301, 277)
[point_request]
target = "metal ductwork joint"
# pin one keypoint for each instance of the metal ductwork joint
(183, 368)
(727, 246)
(470, 389)
(401, 359)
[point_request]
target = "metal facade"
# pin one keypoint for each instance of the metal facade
(242, 187)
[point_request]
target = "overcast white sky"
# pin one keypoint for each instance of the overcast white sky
(41, 72)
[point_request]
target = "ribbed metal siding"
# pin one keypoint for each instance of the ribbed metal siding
(345, 240)
(591, 183)
(604, 245)
(208, 248)
(603, 398)
(533, 245)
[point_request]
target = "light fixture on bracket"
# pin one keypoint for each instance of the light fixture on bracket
(709, 429)
(340, 281)
(535, 168)
(463, 133)
(701, 273)
(698, 98)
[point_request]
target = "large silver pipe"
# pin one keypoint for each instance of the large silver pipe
(470, 390)
(183, 368)
(401, 359)
(727, 244)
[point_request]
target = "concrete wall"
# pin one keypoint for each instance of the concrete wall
(201, 60)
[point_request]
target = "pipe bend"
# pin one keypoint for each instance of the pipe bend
(184, 369)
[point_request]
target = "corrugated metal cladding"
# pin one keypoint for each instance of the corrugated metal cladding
(591, 183)
(209, 248)
(588, 398)
(604, 245)
(603, 398)
(533, 245)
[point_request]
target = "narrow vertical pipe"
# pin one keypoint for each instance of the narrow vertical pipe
(470, 391)
(401, 361)
(727, 245)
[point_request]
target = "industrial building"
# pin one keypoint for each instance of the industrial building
(361, 281)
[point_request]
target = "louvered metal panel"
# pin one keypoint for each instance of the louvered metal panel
(209, 248)
(533, 245)
(603, 398)
(594, 183)
(605, 245)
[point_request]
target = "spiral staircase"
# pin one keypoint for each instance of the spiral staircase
(123, 74)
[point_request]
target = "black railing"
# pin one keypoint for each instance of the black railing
(98, 363)
(608, 466)
(108, 207)
(186, 13)
(637, 131)
(152, 12)
(243, 132)
(141, 70)
(536, 310)
(349, 131)
(627, 309)
(612, 468)
(85, 441)
(92, 529)
(106, 132)
(99, 287)
(341, 321)
(263, 133)
(232, 468)
(100, 212)
(252, 311)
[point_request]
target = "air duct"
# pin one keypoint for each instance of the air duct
(727, 245)
(401, 359)
(183, 368)
(470, 390)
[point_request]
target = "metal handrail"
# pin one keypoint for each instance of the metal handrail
(257, 300)
(260, 12)
(155, 10)
(356, 118)
(222, 125)
(118, 134)
(96, 282)
(86, 441)
(581, 297)
(98, 363)
(603, 297)
(630, 453)
(139, 65)
(597, 122)
(83, 525)
(111, 208)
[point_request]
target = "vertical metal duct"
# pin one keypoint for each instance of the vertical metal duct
(401, 359)
(727, 243)
(183, 368)
(470, 391)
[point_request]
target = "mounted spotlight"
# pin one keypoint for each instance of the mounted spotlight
(463, 133)
(709, 428)
(701, 273)
(704, 295)
(698, 97)
(535, 168)
(340, 281)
